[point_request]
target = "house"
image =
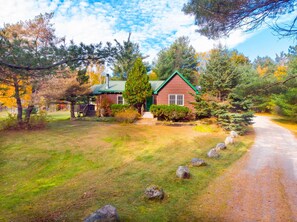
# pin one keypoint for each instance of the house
(174, 90)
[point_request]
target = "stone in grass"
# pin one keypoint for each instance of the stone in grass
(154, 193)
(213, 153)
(233, 134)
(220, 146)
(198, 162)
(107, 213)
(183, 172)
(229, 140)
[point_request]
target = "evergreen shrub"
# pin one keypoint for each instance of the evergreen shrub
(170, 113)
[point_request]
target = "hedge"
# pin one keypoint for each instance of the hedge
(170, 113)
(115, 108)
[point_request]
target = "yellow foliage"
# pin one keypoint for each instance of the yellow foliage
(239, 58)
(96, 74)
(262, 70)
(280, 72)
(7, 95)
(153, 76)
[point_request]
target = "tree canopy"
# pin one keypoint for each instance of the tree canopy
(217, 18)
(125, 57)
(30, 51)
(180, 56)
(137, 87)
(220, 75)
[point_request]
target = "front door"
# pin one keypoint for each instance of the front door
(149, 102)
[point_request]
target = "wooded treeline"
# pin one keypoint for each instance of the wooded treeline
(36, 67)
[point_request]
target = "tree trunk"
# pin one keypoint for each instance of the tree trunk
(28, 113)
(72, 114)
(18, 100)
(138, 107)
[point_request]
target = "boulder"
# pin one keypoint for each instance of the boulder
(229, 140)
(213, 153)
(183, 172)
(154, 193)
(220, 146)
(198, 162)
(107, 213)
(233, 134)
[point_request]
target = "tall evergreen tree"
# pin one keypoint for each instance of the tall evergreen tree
(137, 87)
(126, 55)
(220, 75)
(180, 56)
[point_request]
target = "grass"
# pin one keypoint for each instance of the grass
(203, 128)
(55, 116)
(72, 168)
(59, 115)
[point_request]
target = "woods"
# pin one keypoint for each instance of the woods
(37, 65)
(30, 53)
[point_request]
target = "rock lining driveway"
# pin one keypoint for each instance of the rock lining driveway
(262, 186)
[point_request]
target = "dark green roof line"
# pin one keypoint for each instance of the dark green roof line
(119, 86)
(170, 77)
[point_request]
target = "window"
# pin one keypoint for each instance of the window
(171, 99)
(176, 99)
(120, 99)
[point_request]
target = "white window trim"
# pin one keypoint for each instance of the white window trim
(122, 98)
(175, 100)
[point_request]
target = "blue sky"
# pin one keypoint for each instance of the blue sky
(264, 43)
(154, 24)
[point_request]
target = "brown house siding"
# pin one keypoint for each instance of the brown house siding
(112, 98)
(176, 86)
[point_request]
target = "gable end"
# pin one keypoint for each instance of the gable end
(170, 77)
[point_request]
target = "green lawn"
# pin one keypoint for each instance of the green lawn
(60, 115)
(72, 168)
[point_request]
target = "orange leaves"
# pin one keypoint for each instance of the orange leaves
(280, 72)
(262, 70)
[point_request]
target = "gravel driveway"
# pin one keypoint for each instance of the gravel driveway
(262, 186)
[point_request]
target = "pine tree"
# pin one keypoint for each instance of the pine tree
(220, 76)
(180, 56)
(137, 87)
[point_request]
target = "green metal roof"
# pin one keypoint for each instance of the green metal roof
(114, 87)
(156, 84)
(118, 87)
(156, 91)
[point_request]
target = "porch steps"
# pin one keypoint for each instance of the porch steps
(147, 115)
(147, 119)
